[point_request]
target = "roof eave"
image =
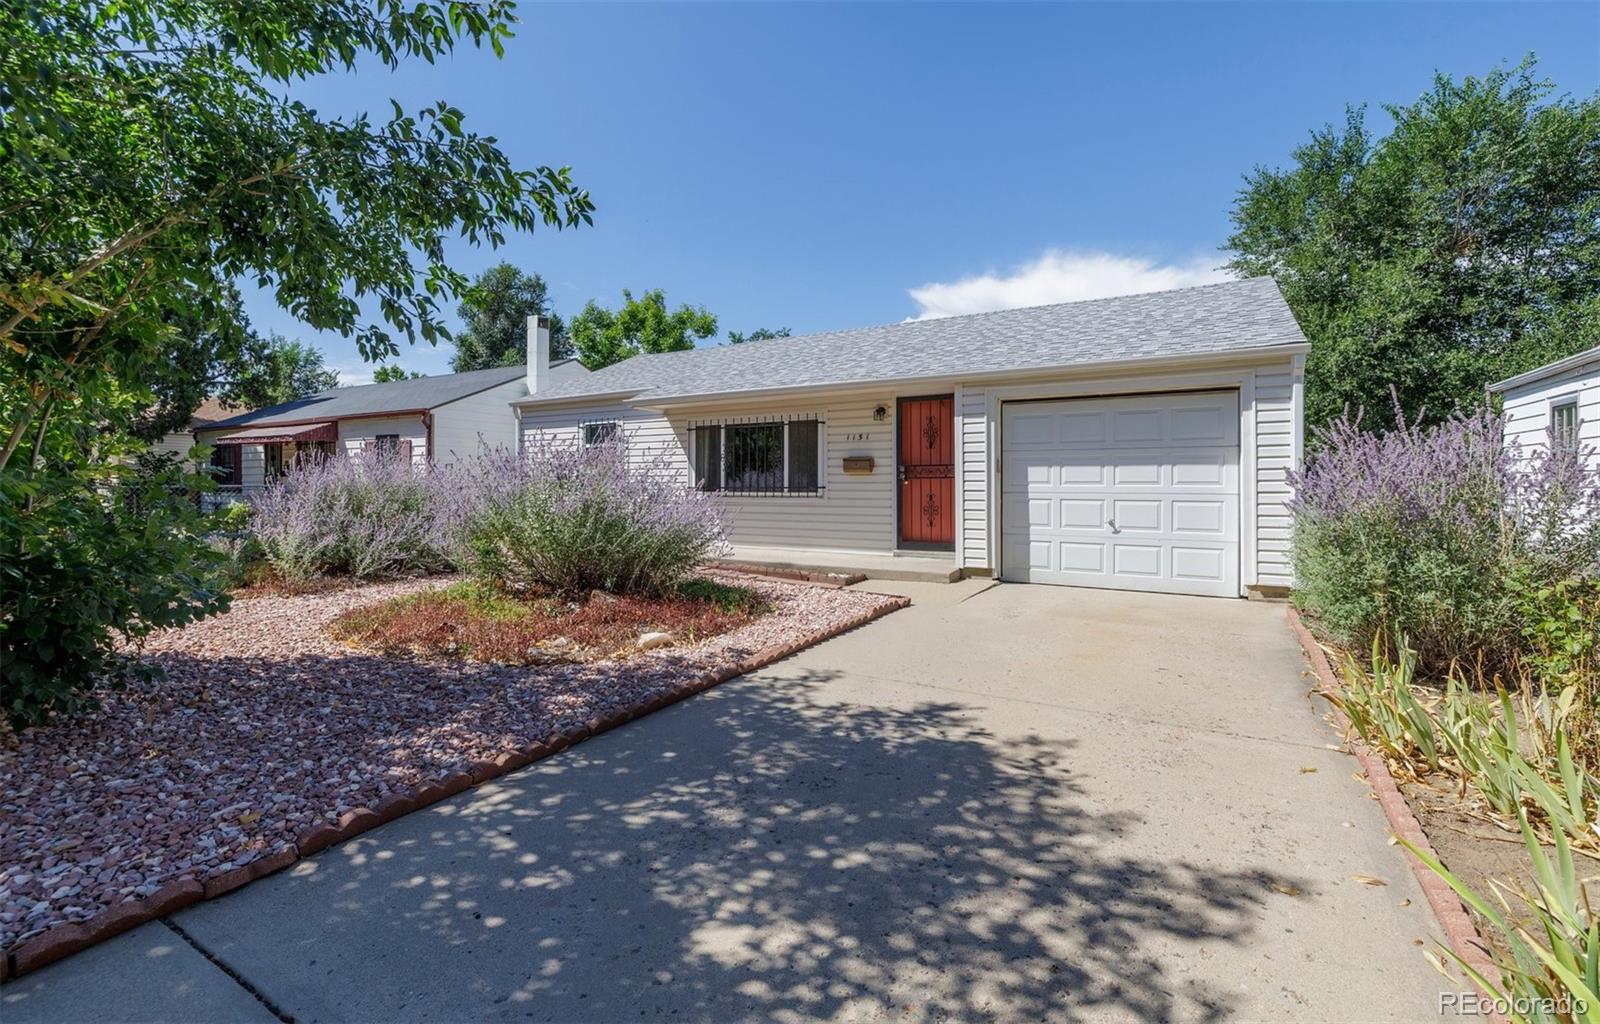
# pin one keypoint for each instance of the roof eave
(537, 400)
(1106, 365)
(1539, 373)
(325, 417)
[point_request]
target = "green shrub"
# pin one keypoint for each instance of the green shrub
(367, 516)
(1424, 532)
(573, 520)
(86, 563)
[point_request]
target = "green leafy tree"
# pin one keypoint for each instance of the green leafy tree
(759, 334)
(603, 337)
(393, 372)
(495, 313)
(283, 371)
(1462, 247)
(152, 152)
(207, 349)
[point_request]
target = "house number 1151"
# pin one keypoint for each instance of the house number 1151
(858, 437)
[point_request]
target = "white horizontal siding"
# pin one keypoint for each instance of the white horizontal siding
(972, 426)
(482, 422)
(854, 513)
(176, 443)
(354, 434)
(1527, 410)
(1276, 451)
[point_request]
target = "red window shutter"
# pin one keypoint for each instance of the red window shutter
(405, 448)
(369, 445)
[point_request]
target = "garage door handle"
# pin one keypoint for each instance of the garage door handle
(1113, 524)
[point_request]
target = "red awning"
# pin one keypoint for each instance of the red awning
(301, 434)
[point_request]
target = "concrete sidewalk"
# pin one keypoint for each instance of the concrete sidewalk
(1016, 803)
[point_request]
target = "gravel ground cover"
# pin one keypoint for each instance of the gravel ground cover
(265, 726)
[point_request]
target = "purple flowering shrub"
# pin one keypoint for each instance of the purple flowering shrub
(1433, 533)
(578, 519)
(367, 516)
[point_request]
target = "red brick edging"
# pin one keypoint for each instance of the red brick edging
(1452, 916)
(53, 945)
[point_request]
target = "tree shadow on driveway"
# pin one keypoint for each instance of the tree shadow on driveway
(755, 853)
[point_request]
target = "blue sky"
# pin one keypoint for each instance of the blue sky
(820, 167)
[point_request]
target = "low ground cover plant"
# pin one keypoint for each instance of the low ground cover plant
(1523, 754)
(479, 622)
(1549, 972)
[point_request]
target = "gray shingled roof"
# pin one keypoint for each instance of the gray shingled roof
(1218, 318)
(392, 396)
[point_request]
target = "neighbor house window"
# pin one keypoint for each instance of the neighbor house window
(386, 444)
(273, 454)
(783, 457)
(601, 433)
(225, 465)
(1564, 425)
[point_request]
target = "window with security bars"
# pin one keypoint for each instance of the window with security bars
(601, 432)
(768, 458)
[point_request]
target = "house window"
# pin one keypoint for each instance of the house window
(1564, 425)
(273, 454)
(601, 433)
(386, 444)
(777, 458)
(225, 465)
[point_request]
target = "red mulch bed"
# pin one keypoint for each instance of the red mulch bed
(534, 630)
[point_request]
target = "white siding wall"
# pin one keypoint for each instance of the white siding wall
(354, 434)
(177, 443)
(1527, 409)
(1277, 433)
(855, 513)
(972, 474)
(463, 428)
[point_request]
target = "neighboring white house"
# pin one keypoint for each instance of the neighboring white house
(182, 442)
(1137, 442)
(437, 419)
(1559, 401)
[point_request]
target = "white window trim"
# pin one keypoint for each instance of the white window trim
(1561, 404)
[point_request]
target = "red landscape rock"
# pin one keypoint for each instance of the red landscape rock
(264, 730)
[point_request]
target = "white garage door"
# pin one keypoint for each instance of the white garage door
(1138, 493)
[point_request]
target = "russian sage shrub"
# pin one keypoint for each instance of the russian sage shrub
(367, 516)
(1421, 532)
(577, 519)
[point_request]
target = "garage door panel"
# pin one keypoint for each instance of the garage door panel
(1081, 513)
(1136, 560)
(1081, 557)
(1137, 425)
(1138, 514)
(1192, 516)
(1136, 493)
(1196, 563)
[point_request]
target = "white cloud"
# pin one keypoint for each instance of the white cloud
(1061, 276)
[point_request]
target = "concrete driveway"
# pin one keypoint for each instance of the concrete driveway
(1027, 803)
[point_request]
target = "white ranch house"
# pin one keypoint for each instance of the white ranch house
(1136, 443)
(1558, 402)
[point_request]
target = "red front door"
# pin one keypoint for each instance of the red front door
(928, 471)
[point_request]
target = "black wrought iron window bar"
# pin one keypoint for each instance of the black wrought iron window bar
(778, 457)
